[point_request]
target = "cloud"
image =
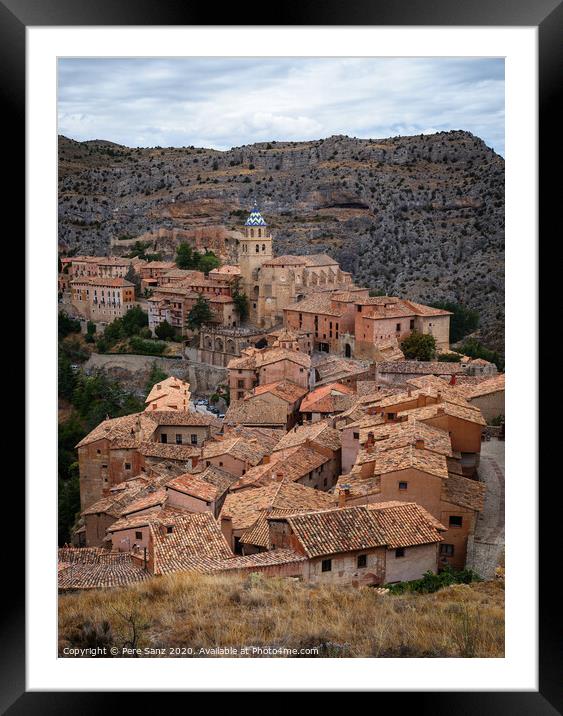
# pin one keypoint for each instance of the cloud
(229, 102)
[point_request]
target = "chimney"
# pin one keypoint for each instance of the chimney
(419, 444)
(279, 476)
(440, 411)
(343, 495)
(409, 392)
(265, 459)
(370, 440)
(438, 397)
(453, 379)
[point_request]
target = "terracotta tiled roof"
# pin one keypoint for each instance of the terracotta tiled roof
(178, 417)
(336, 530)
(168, 451)
(469, 414)
(124, 432)
(262, 559)
(463, 491)
(164, 515)
(328, 398)
(255, 358)
(259, 534)
(389, 436)
(405, 524)
(195, 486)
(319, 433)
(485, 387)
(420, 367)
(403, 458)
(244, 506)
(118, 282)
(257, 410)
(284, 389)
(296, 464)
(151, 499)
(95, 571)
(169, 385)
(238, 447)
(194, 536)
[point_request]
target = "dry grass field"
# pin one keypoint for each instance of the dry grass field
(204, 612)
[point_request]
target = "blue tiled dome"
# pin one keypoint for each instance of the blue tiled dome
(255, 218)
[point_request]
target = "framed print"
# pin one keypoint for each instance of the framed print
(281, 376)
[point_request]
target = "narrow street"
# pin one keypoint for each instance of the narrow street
(488, 548)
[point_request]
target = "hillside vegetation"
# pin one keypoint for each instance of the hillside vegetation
(203, 612)
(418, 216)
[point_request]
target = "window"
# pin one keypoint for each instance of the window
(356, 436)
(400, 552)
(164, 438)
(412, 324)
(447, 550)
(138, 535)
(362, 560)
(240, 383)
(325, 482)
(128, 467)
(178, 439)
(403, 485)
(193, 439)
(326, 565)
(398, 328)
(169, 530)
(456, 521)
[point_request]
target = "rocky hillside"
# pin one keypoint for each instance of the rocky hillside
(418, 216)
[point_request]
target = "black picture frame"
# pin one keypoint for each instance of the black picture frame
(547, 16)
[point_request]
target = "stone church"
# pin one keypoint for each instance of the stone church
(271, 283)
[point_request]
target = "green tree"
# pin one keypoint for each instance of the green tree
(242, 306)
(208, 262)
(133, 320)
(462, 322)
(449, 357)
(419, 346)
(67, 325)
(200, 313)
(474, 349)
(67, 377)
(133, 277)
(184, 256)
(68, 504)
(165, 331)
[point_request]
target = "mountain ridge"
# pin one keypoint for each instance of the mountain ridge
(419, 216)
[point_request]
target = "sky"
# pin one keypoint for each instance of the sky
(229, 102)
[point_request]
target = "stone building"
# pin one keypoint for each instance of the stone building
(121, 448)
(352, 323)
(102, 300)
(274, 405)
(273, 283)
(410, 459)
(219, 344)
(261, 366)
(375, 544)
(169, 394)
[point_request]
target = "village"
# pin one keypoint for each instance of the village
(337, 458)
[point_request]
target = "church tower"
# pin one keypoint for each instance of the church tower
(254, 248)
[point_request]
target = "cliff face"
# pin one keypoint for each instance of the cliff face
(417, 216)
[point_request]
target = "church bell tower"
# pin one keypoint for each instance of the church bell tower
(255, 247)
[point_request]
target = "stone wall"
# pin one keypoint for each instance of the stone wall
(133, 371)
